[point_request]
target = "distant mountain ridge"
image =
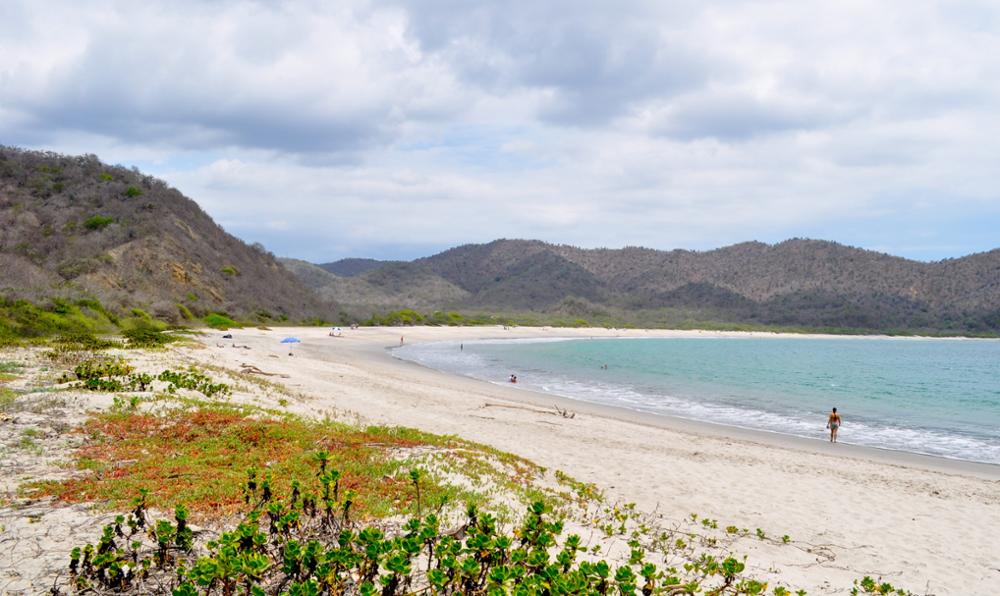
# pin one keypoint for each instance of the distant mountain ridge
(798, 282)
(74, 227)
(353, 266)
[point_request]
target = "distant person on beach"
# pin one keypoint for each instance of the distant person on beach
(400, 340)
(833, 423)
(513, 378)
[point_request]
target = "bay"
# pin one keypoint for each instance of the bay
(934, 397)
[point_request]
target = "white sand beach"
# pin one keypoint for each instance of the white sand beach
(927, 524)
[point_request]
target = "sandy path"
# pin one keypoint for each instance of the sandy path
(927, 523)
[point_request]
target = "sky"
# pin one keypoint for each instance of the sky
(398, 129)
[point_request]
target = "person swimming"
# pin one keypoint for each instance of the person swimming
(833, 423)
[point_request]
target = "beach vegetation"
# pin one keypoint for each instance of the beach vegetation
(146, 337)
(133, 191)
(221, 321)
(310, 536)
(22, 319)
(867, 585)
(229, 271)
(115, 374)
(185, 312)
(9, 367)
(7, 397)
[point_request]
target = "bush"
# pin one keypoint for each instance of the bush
(97, 222)
(406, 316)
(220, 321)
(230, 271)
(84, 342)
(146, 337)
(185, 312)
(133, 191)
(115, 374)
(103, 374)
(23, 319)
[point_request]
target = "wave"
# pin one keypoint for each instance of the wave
(482, 365)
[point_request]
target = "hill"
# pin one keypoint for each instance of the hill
(75, 227)
(352, 267)
(807, 283)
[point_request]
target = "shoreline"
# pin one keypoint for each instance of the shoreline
(921, 522)
(985, 470)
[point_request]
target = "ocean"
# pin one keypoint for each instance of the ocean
(927, 396)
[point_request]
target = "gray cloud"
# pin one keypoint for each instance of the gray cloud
(438, 122)
(736, 117)
(595, 61)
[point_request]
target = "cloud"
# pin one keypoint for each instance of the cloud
(252, 76)
(410, 126)
(737, 116)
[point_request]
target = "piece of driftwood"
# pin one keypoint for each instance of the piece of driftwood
(565, 413)
(251, 369)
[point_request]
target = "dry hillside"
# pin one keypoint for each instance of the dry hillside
(798, 282)
(73, 226)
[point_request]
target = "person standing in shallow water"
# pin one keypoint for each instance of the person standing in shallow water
(833, 423)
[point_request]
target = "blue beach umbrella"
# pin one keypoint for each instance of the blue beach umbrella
(290, 341)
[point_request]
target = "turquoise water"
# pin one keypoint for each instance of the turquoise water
(936, 397)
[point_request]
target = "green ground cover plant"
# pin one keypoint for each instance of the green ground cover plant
(115, 374)
(9, 371)
(201, 457)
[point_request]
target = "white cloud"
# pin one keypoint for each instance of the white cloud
(413, 126)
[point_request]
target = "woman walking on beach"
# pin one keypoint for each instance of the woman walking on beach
(833, 423)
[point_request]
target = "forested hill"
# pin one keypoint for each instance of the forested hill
(794, 283)
(75, 227)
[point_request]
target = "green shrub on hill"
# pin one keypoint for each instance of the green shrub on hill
(23, 319)
(133, 191)
(97, 222)
(407, 316)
